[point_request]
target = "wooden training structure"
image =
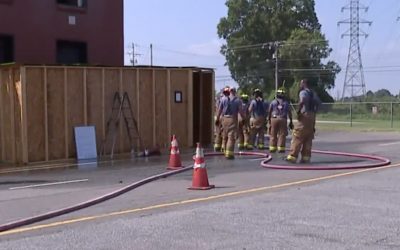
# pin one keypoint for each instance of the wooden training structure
(41, 105)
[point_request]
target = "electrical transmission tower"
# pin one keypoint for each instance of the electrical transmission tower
(354, 82)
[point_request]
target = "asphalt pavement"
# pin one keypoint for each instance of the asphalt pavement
(251, 208)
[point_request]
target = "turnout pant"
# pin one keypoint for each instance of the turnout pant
(303, 134)
(243, 133)
(229, 127)
(218, 136)
(257, 127)
(277, 139)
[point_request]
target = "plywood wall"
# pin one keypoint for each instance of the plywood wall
(35, 89)
(146, 106)
(10, 115)
(129, 84)
(95, 102)
(54, 122)
(181, 113)
(41, 105)
(161, 102)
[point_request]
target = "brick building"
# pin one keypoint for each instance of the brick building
(62, 32)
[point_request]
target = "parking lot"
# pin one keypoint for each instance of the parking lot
(250, 208)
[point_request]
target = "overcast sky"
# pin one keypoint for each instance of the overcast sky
(184, 33)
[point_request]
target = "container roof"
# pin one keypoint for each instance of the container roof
(195, 68)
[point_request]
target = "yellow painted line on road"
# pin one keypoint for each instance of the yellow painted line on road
(183, 202)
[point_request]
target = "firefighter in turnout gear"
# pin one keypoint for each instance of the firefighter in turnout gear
(229, 109)
(218, 141)
(258, 115)
(244, 126)
(303, 132)
(279, 111)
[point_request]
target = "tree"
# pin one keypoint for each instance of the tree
(251, 25)
(301, 55)
(382, 93)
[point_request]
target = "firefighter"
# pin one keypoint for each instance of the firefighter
(244, 127)
(229, 109)
(258, 115)
(279, 111)
(303, 133)
(218, 122)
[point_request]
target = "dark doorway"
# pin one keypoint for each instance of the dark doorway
(73, 3)
(203, 94)
(71, 52)
(6, 49)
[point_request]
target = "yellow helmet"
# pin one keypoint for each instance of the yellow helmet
(244, 97)
(257, 92)
(281, 91)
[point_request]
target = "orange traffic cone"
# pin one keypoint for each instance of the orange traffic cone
(174, 158)
(200, 177)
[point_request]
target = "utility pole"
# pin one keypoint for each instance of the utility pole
(276, 54)
(275, 46)
(354, 81)
(133, 55)
(151, 54)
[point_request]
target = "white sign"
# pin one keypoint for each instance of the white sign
(72, 20)
(85, 140)
(178, 96)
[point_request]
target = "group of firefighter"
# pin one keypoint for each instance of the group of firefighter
(245, 119)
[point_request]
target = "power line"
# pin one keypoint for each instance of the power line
(181, 52)
(270, 45)
(308, 73)
(393, 13)
(286, 71)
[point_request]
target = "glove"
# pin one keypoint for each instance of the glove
(291, 126)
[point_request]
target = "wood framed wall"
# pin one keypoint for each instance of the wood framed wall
(41, 105)
(11, 115)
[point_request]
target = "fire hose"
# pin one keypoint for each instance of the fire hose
(264, 158)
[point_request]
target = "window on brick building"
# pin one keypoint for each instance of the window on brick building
(71, 52)
(6, 1)
(73, 3)
(6, 49)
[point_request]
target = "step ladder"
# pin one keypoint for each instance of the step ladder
(121, 108)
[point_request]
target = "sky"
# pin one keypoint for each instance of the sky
(184, 33)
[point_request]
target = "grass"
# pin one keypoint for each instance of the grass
(358, 125)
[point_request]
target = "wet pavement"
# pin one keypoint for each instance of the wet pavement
(28, 193)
